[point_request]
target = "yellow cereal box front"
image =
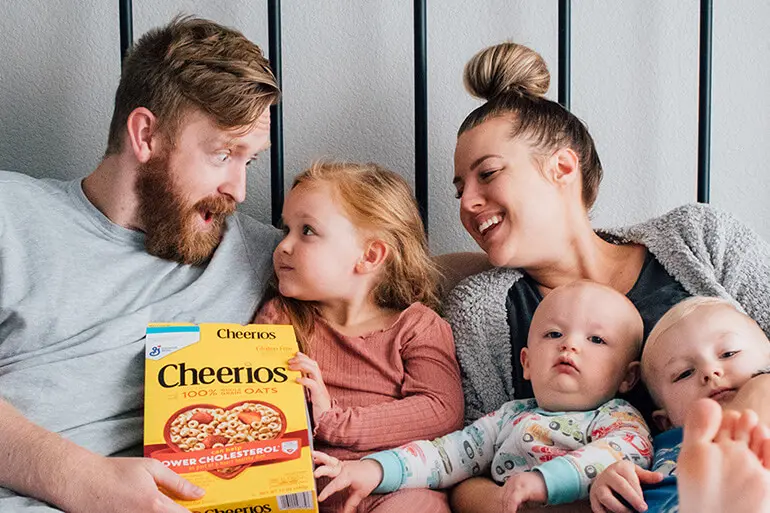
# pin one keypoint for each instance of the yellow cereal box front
(222, 409)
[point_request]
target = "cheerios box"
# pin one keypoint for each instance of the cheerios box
(223, 410)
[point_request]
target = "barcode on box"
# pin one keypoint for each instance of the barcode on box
(303, 500)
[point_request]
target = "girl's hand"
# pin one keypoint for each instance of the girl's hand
(522, 488)
(311, 379)
(361, 476)
(621, 479)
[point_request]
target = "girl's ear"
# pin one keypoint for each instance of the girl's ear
(564, 166)
(373, 257)
(631, 378)
(140, 130)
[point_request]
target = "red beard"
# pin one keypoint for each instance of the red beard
(171, 224)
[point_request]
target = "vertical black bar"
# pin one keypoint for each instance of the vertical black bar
(704, 102)
(421, 109)
(276, 111)
(564, 53)
(126, 27)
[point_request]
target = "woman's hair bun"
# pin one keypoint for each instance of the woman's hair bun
(505, 68)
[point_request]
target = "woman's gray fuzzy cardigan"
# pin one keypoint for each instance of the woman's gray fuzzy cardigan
(708, 251)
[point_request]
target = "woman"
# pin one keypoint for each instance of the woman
(527, 173)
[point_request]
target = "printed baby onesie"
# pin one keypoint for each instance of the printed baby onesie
(569, 449)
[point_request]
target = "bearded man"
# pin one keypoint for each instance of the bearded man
(148, 236)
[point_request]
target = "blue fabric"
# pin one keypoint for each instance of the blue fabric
(392, 471)
(663, 497)
(561, 479)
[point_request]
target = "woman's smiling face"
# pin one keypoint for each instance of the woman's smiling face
(507, 203)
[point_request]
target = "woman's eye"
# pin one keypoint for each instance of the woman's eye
(459, 194)
(596, 339)
(683, 375)
(553, 334)
(729, 354)
(486, 175)
(308, 230)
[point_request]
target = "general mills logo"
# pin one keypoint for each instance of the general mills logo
(155, 351)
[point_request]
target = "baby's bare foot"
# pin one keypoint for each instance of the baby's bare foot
(723, 464)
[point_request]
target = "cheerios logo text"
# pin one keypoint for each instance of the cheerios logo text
(179, 375)
(249, 335)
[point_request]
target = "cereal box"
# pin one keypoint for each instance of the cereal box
(222, 409)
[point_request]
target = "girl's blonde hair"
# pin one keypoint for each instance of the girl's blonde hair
(379, 203)
(512, 79)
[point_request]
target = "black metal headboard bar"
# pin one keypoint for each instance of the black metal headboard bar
(421, 109)
(565, 63)
(704, 102)
(276, 112)
(126, 27)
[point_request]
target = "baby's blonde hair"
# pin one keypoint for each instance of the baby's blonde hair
(380, 204)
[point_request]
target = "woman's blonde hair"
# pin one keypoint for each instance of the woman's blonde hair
(379, 203)
(513, 79)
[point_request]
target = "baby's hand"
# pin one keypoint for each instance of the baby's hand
(311, 379)
(361, 476)
(522, 488)
(621, 479)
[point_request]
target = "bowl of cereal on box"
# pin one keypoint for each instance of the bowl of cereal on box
(200, 427)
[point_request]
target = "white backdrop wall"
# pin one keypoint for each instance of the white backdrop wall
(348, 90)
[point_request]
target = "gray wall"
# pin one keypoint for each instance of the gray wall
(348, 90)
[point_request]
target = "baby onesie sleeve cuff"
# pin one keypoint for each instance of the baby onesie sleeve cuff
(392, 471)
(561, 480)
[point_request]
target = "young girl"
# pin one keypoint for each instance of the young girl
(356, 281)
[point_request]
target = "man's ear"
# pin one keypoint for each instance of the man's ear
(660, 417)
(564, 166)
(373, 257)
(524, 357)
(631, 378)
(140, 129)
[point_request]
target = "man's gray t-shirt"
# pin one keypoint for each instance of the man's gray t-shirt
(76, 294)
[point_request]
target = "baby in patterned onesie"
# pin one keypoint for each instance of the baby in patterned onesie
(702, 347)
(582, 349)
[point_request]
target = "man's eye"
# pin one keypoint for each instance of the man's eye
(308, 230)
(553, 334)
(683, 375)
(596, 339)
